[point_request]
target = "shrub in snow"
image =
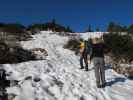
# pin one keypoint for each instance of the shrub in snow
(17, 55)
(72, 44)
(12, 52)
(121, 47)
(16, 32)
(3, 50)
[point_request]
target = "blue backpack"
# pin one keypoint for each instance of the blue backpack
(88, 47)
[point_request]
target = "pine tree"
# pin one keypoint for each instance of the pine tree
(89, 29)
(68, 29)
(53, 22)
(130, 29)
(113, 27)
(98, 29)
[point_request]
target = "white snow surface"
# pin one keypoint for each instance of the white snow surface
(91, 34)
(59, 76)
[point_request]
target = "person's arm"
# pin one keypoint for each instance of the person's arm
(81, 51)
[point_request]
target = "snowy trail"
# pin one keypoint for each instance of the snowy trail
(60, 76)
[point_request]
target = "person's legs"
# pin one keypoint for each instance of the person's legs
(97, 70)
(102, 72)
(81, 62)
(86, 62)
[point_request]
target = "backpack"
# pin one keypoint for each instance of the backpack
(88, 47)
(82, 45)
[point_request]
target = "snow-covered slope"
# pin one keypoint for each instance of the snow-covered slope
(59, 77)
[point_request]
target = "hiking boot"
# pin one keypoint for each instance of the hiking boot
(81, 67)
(98, 84)
(103, 85)
(86, 69)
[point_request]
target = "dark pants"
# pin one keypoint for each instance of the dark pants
(84, 58)
(99, 70)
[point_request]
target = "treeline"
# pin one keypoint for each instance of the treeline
(19, 28)
(13, 32)
(114, 27)
(12, 28)
(54, 26)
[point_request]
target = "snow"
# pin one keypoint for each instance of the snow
(91, 34)
(59, 76)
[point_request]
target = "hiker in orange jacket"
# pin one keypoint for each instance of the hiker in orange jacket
(85, 49)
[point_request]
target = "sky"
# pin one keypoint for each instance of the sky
(78, 14)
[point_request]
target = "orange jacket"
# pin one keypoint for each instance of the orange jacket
(82, 46)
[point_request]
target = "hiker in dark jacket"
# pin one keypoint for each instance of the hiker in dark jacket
(85, 50)
(97, 57)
